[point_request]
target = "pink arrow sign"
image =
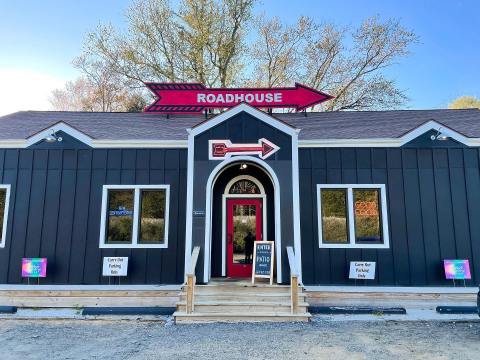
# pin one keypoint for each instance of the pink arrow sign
(222, 149)
(194, 97)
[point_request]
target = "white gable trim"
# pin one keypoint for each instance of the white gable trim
(258, 114)
(433, 125)
(61, 126)
(393, 142)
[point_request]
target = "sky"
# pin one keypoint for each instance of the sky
(39, 39)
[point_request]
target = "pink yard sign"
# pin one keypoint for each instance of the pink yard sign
(34, 267)
(457, 269)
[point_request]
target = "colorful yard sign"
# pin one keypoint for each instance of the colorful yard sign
(34, 267)
(457, 269)
(195, 97)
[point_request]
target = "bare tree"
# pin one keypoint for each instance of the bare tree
(206, 41)
(202, 40)
(99, 89)
(344, 62)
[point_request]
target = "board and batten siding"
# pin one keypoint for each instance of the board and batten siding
(55, 209)
(433, 203)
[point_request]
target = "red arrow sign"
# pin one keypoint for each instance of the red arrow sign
(221, 149)
(193, 98)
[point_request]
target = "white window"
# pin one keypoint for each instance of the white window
(352, 216)
(134, 216)
(4, 203)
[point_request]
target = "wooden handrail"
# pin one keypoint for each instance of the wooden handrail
(191, 280)
(193, 260)
(293, 279)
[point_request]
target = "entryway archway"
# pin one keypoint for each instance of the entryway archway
(243, 189)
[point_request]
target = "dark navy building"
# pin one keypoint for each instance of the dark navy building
(398, 188)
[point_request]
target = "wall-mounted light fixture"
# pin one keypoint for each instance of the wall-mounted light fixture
(243, 166)
(439, 136)
(53, 137)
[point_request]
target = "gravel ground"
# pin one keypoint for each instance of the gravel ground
(319, 339)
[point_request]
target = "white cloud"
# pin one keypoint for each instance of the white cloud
(26, 90)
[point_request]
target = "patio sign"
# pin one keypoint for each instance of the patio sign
(34, 267)
(263, 259)
(457, 269)
(115, 266)
(362, 270)
(195, 97)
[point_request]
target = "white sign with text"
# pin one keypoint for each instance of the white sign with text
(115, 266)
(362, 270)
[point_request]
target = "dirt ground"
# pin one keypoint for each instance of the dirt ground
(95, 339)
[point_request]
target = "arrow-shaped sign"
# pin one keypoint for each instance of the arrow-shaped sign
(194, 98)
(221, 149)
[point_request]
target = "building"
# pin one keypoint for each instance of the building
(399, 188)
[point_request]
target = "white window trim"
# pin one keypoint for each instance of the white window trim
(136, 213)
(5, 213)
(351, 223)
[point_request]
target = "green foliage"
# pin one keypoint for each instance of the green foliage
(152, 230)
(334, 230)
(465, 102)
(119, 228)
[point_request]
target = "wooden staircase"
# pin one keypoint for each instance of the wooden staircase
(227, 301)
(240, 301)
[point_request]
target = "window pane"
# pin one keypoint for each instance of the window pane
(367, 216)
(120, 216)
(244, 187)
(334, 216)
(152, 217)
(3, 196)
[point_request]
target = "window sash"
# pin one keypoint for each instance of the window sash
(6, 188)
(351, 216)
(136, 217)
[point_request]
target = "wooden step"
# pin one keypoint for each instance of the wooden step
(241, 288)
(243, 296)
(241, 307)
(197, 317)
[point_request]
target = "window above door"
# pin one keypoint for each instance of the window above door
(352, 216)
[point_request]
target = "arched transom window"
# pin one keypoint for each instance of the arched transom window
(244, 185)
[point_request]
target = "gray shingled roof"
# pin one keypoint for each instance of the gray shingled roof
(324, 125)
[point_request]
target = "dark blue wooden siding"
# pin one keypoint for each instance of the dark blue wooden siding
(433, 198)
(55, 209)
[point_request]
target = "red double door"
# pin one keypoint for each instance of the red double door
(244, 226)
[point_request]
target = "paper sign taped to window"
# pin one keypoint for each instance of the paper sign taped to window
(362, 270)
(115, 266)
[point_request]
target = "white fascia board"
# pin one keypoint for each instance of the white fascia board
(61, 126)
(331, 143)
(260, 115)
(169, 144)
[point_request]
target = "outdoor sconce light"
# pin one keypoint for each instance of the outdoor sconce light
(243, 166)
(439, 136)
(53, 137)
